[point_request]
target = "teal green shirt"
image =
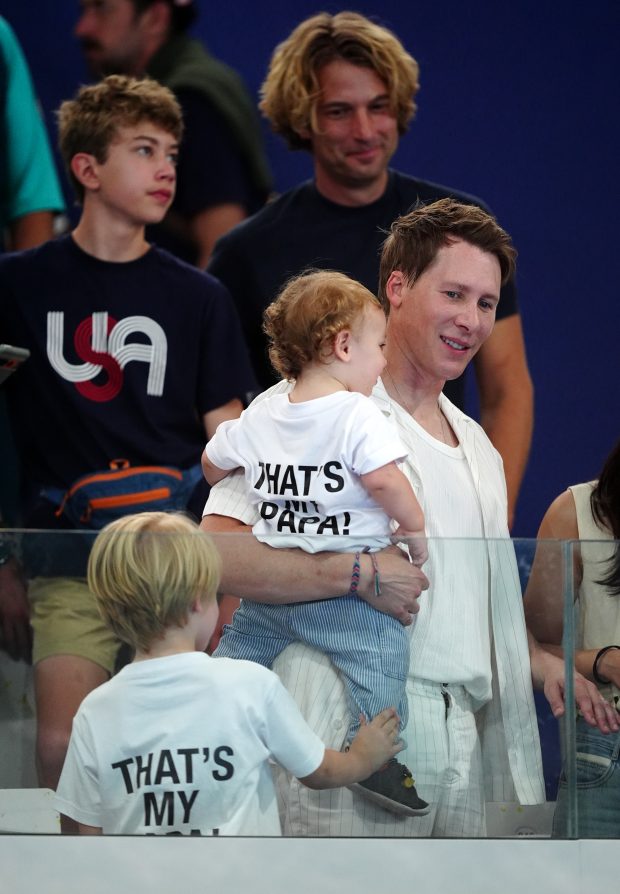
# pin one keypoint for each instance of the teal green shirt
(28, 178)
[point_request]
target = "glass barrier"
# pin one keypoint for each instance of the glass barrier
(485, 752)
(589, 801)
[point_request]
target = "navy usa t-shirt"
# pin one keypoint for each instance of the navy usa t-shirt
(126, 358)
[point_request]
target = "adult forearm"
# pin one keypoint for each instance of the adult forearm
(256, 571)
(509, 421)
(607, 666)
(583, 661)
(507, 400)
(549, 675)
(30, 230)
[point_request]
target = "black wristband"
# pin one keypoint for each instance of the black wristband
(598, 657)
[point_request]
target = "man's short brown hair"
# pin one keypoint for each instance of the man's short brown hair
(290, 92)
(90, 122)
(308, 314)
(416, 237)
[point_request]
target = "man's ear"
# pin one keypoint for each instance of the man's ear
(305, 132)
(342, 344)
(394, 288)
(156, 20)
(84, 168)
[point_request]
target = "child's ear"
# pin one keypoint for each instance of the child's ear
(342, 344)
(197, 605)
(84, 168)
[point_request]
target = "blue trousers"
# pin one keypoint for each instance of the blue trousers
(598, 786)
(371, 649)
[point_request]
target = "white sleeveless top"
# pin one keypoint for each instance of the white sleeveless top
(599, 611)
(450, 640)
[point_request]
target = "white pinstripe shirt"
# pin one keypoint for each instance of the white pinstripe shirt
(508, 724)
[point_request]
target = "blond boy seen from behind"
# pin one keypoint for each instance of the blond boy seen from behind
(179, 742)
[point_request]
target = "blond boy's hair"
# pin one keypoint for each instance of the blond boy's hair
(146, 571)
(308, 314)
(91, 120)
(290, 92)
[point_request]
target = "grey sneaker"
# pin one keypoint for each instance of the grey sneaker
(392, 787)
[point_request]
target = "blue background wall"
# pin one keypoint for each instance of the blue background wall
(519, 104)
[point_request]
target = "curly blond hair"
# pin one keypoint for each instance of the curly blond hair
(147, 569)
(290, 92)
(90, 121)
(308, 314)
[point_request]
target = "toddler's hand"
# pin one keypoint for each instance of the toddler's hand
(416, 543)
(379, 741)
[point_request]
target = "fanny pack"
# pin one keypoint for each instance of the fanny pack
(100, 497)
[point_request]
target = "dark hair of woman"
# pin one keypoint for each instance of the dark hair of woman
(605, 505)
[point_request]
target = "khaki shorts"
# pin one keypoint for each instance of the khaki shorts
(66, 621)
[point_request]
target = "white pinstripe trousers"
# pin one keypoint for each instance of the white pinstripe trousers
(443, 752)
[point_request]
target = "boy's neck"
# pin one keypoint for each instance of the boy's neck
(109, 240)
(316, 380)
(175, 641)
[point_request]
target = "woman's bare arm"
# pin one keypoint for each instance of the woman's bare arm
(544, 596)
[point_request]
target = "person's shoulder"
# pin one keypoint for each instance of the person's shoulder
(560, 519)
(32, 258)
(355, 402)
(6, 32)
(280, 388)
(9, 43)
(414, 190)
(190, 276)
(274, 398)
(277, 212)
(584, 487)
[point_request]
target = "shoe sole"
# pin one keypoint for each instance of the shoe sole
(388, 803)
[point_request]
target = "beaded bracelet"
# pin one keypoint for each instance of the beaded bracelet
(598, 657)
(356, 572)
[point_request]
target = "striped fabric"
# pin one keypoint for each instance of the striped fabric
(443, 746)
(369, 648)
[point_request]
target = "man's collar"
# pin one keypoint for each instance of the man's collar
(382, 398)
(353, 208)
(451, 412)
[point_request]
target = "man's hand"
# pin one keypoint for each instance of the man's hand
(401, 584)
(15, 630)
(548, 674)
